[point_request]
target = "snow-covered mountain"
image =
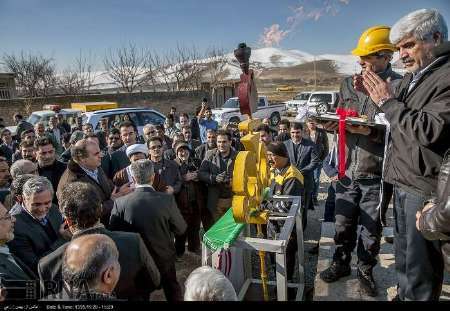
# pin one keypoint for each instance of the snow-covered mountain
(267, 58)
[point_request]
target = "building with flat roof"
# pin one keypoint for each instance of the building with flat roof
(7, 86)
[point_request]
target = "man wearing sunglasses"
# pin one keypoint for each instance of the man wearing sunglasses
(167, 169)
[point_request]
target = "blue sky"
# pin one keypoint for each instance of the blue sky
(61, 28)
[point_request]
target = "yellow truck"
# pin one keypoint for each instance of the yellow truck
(85, 107)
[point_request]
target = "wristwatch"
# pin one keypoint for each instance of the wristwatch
(383, 100)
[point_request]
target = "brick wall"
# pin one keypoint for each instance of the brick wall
(161, 101)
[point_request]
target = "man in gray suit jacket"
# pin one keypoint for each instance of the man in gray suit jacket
(39, 228)
(304, 154)
(155, 216)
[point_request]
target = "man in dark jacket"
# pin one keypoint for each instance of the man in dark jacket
(39, 228)
(211, 143)
(119, 159)
(155, 216)
(13, 272)
(216, 171)
(304, 154)
(95, 258)
(22, 125)
(358, 188)
(81, 206)
(320, 138)
(8, 142)
(192, 142)
(167, 169)
(190, 199)
(48, 166)
(85, 166)
(419, 114)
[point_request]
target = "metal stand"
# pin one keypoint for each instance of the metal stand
(278, 246)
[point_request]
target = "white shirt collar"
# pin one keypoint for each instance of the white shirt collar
(144, 186)
(424, 70)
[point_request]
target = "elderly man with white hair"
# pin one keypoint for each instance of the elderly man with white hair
(208, 284)
(40, 227)
(419, 112)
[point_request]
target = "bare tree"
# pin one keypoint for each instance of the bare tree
(35, 74)
(216, 62)
(85, 73)
(127, 66)
(67, 82)
(162, 70)
(79, 78)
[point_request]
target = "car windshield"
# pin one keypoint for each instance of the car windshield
(320, 98)
(304, 96)
(34, 118)
(231, 103)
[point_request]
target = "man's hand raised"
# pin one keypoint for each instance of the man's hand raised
(123, 190)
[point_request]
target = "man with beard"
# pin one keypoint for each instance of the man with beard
(211, 143)
(134, 153)
(48, 166)
(119, 159)
(167, 169)
(192, 143)
(25, 151)
(216, 172)
(189, 200)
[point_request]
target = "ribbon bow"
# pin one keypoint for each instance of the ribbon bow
(343, 114)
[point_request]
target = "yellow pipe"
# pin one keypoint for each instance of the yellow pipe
(262, 261)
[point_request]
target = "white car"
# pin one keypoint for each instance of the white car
(322, 102)
(139, 116)
(44, 116)
(230, 112)
(318, 103)
(299, 100)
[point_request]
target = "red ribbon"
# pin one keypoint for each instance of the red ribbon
(343, 114)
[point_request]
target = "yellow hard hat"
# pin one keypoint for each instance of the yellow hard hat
(373, 40)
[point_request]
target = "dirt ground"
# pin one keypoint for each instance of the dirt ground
(191, 261)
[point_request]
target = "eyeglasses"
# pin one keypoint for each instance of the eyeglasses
(155, 147)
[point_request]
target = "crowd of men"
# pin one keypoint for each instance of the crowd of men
(106, 213)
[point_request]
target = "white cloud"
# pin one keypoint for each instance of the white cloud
(305, 10)
(273, 35)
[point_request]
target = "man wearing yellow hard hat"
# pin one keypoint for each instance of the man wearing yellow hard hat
(358, 188)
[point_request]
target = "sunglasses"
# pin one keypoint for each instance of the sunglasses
(113, 138)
